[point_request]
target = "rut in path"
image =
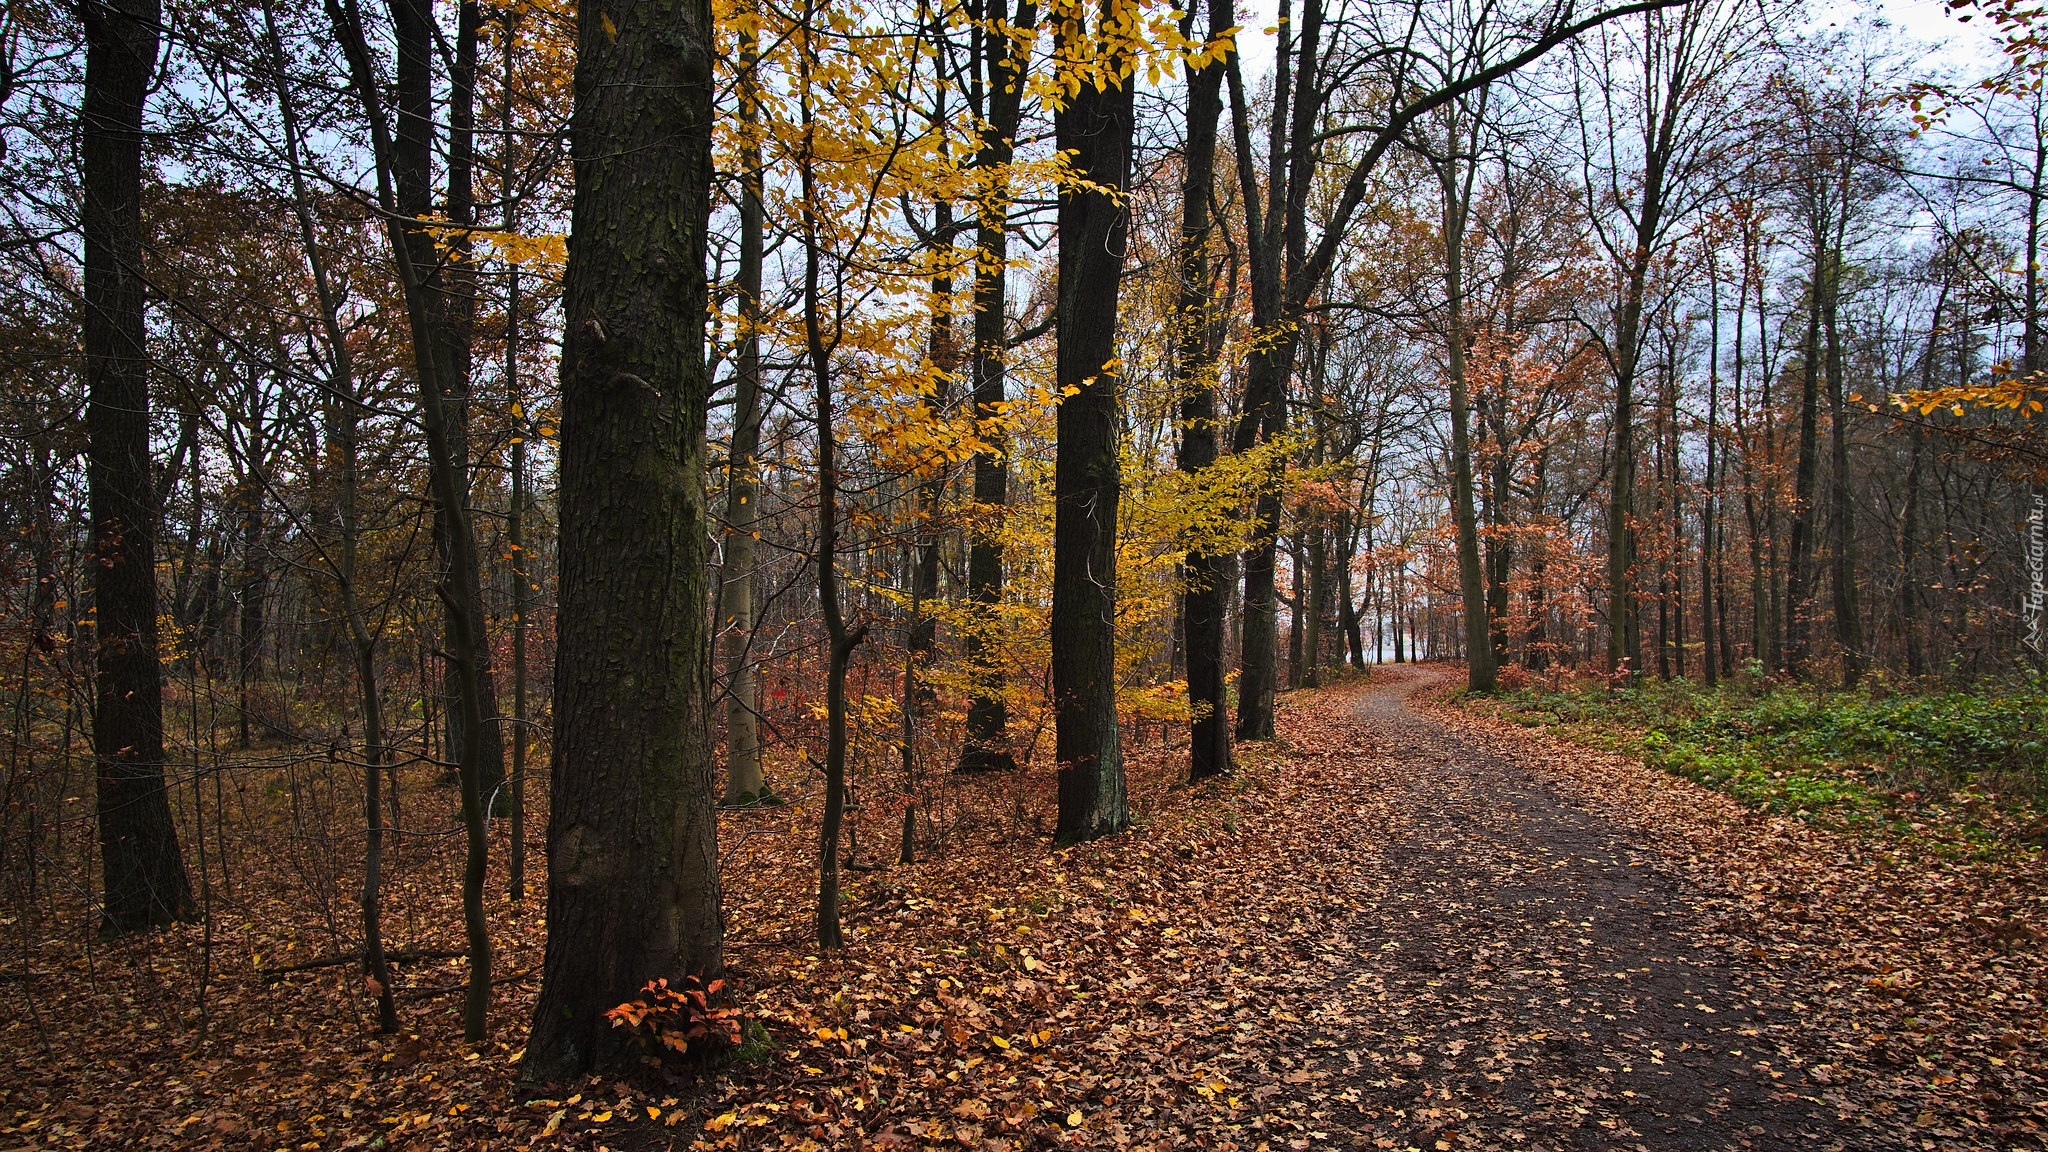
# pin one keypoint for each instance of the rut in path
(1523, 976)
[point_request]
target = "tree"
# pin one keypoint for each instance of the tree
(996, 99)
(403, 160)
(632, 862)
(144, 873)
(1205, 598)
(1094, 126)
(744, 783)
(1666, 84)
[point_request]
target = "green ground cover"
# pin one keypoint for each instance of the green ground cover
(1955, 771)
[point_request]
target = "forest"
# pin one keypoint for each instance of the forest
(764, 573)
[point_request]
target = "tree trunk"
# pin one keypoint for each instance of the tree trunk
(515, 520)
(1096, 125)
(143, 872)
(1471, 579)
(839, 642)
(456, 316)
(632, 838)
(744, 783)
(1848, 608)
(1002, 72)
(1204, 602)
(1799, 573)
(343, 403)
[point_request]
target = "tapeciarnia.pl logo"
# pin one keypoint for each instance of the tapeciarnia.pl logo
(2036, 603)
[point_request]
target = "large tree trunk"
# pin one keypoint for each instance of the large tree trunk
(1205, 600)
(632, 838)
(1001, 72)
(143, 872)
(1096, 125)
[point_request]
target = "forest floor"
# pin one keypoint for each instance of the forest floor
(1404, 925)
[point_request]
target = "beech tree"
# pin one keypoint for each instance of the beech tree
(632, 862)
(145, 882)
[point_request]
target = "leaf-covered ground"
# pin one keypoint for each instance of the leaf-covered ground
(1404, 926)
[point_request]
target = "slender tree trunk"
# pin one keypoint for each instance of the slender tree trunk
(406, 180)
(744, 783)
(1297, 606)
(1096, 125)
(515, 520)
(344, 402)
(1799, 574)
(1204, 603)
(1003, 73)
(1848, 608)
(142, 869)
(840, 643)
(455, 282)
(632, 835)
(1710, 669)
(1911, 626)
(1625, 636)
(1481, 672)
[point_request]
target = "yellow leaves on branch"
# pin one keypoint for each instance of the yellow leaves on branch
(1132, 37)
(545, 252)
(2003, 392)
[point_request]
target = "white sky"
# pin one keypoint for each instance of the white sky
(1946, 46)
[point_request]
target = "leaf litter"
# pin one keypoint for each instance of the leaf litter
(1402, 925)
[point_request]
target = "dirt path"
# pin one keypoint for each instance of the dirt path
(1521, 974)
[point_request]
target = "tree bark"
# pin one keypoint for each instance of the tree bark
(1799, 570)
(632, 838)
(744, 783)
(455, 287)
(1205, 599)
(1097, 126)
(1002, 72)
(142, 870)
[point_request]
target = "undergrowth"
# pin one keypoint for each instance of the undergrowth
(1958, 772)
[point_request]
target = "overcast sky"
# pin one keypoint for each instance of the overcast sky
(1947, 46)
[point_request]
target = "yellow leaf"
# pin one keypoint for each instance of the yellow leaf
(999, 1042)
(601, 1117)
(611, 30)
(1073, 1119)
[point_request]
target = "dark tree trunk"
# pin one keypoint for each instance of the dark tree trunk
(1297, 607)
(1799, 571)
(143, 872)
(632, 837)
(405, 160)
(1002, 75)
(1848, 607)
(1097, 126)
(744, 783)
(455, 314)
(1205, 600)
